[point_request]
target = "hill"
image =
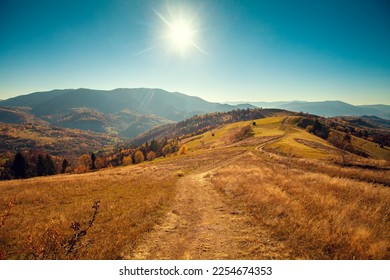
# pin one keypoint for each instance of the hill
(56, 141)
(202, 123)
(19, 115)
(103, 111)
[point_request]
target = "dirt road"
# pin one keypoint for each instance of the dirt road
(201, 225)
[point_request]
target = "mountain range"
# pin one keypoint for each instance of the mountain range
(127, 112)
(130, 112)
(326, 108)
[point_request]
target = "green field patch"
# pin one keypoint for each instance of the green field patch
(290, 145)
(372, 149)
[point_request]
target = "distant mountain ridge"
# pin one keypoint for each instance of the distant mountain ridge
(327, 108)
(170, 105)
(130, 112)
(124, 111)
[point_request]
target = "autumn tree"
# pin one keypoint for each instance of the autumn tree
(84, 163)
(100, 162)
(138, 157)
(127, 160)
(151, 156)
(167, 149)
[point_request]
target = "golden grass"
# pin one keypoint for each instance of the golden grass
(314, 215)
(373, 149)
(132, 199)
(223, 135)
(268, 127)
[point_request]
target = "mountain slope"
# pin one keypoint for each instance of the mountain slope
(18, 116)
(102, 111)
(199, 124)
(169, 105)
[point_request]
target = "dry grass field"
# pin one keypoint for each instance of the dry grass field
(132, 200)
(314, 215)
(266, 196)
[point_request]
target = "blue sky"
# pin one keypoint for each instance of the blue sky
(239, 51)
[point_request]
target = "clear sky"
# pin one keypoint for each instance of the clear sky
(219, 50)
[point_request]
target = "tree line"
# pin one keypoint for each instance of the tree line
(29, 164)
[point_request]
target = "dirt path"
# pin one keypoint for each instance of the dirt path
(202, 226)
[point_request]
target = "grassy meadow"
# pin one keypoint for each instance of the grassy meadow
(315, 215)
(132, 200)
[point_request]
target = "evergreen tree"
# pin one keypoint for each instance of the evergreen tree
(45, 166)
(20, 166)
(65, 165)
(50, 166)
(154, 146)
(317, 125)
(41, 168)
(93, 159)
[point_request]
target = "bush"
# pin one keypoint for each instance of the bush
(243, 133)
(167, 149)
(126, 160)
(310, 128)
(183, 150)
(55, 244)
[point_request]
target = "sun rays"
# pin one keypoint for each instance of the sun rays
(178, 33)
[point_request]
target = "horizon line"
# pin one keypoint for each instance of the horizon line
(222, 102)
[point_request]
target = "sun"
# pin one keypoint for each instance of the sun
(180, 33)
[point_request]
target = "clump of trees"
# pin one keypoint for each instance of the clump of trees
(315, 127)
(33, 163)
(45, 166)
(27, 165)
(341, 140)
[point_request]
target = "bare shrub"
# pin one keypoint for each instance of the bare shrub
(243, 133)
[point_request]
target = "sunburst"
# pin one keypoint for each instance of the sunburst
(181, 33)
